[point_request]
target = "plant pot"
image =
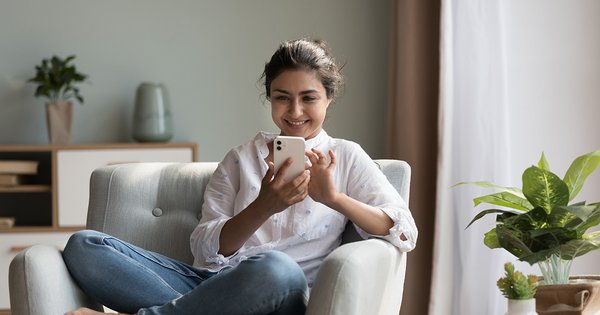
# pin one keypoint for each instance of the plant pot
(521, 307)
(59, 117)
(580, 296)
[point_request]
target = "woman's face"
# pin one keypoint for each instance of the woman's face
(298, 103)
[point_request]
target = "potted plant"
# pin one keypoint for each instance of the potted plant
(56, 80)
(519, 290)
(539, 223)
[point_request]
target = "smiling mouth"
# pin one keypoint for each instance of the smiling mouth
(296, 123)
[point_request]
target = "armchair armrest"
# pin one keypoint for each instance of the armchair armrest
(365, 277)
(41, 284)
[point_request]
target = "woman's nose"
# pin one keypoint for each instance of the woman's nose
(295, 108)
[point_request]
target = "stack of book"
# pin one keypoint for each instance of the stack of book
(13, 172)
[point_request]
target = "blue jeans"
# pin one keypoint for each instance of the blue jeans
(130, 279)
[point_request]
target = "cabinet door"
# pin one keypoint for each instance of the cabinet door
(74, 168)
(12, 243)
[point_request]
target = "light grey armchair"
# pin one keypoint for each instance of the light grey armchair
(157, 205)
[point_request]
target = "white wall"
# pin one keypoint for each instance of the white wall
(553, 60)
(210, 55)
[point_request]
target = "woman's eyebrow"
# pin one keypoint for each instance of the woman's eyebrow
(301, 93)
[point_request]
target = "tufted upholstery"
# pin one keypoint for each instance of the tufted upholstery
(157, 205)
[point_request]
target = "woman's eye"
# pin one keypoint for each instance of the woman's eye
(310, 99)
(281, 97)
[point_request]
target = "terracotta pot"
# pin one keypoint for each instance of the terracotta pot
(59, 117)
(580, 296)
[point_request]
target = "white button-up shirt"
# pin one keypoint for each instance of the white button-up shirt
(307, 231)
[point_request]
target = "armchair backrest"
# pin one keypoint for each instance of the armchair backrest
(157, 205)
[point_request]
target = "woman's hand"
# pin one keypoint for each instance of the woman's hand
(277, 195)
(322, 187)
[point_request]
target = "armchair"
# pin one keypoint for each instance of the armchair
(157, 205)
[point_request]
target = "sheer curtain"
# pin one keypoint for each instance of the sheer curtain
(474, 135)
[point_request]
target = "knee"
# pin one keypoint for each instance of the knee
(280, 270)
(79, 244)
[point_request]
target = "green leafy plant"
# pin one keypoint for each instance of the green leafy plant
(516, 286)
(536, 223)
(56, 79)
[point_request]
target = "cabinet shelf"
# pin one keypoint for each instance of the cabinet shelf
(26, 189)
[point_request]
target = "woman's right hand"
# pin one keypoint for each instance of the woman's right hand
(276, 194)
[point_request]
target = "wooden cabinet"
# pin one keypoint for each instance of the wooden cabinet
(50, 205)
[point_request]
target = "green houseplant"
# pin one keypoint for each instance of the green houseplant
(519, 290)
(539, 223)
(56, 80)
(515, 285)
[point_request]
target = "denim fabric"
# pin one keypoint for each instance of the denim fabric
(130, 279)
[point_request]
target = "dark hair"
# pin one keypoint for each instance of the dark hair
(305, 54)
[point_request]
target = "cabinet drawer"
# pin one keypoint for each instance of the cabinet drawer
(12, 243)
(74, 168)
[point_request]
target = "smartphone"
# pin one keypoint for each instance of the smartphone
(285, 147)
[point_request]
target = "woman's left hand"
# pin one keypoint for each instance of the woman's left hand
(321, 187)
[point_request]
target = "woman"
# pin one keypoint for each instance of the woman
(261, 239)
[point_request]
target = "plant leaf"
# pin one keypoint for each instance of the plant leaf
(543, 163)
(490, 239)
(513, 190)
(544, 189)
(579, 170)
(592, 220)
(505, 199)
(512, 242)
(576, 248)
(488, 211)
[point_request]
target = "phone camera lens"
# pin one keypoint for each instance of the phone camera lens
(278, 148)
(278, 142)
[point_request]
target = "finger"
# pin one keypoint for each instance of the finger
(283, 169)
(302, 178)
(312, 157)
(332, 158)
(269, 175)
(320, 155)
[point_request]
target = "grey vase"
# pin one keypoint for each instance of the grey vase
(152, 120)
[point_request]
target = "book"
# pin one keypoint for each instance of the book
(18, 167)
(7, 222)
(11, 179)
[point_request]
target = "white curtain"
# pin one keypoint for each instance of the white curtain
(474, 146)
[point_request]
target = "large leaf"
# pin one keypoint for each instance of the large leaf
(490, 239)
(512, 241)
(592, 220)
(505, 199)
(560, 217)
(543, 163)
(579, 170)
(576, 248)
(536, 257)
(526, 221)
(548, 238)
(513, 190)
(544, 189)
(489, 211)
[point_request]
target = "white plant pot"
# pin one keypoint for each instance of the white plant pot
(521, 307)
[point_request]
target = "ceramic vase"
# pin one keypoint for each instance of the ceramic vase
(59, 117)
(521, 307)
(152, 120)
